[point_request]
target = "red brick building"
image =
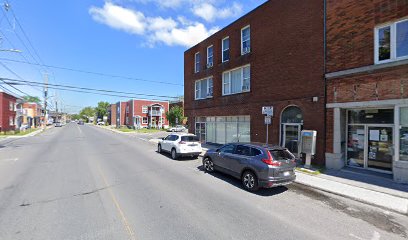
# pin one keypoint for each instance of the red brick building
(112, 115)
(367, 85)
(146, 113)
(120, 113)
(273, 56)
(7, 112)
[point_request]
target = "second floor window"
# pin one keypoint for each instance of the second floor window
(204, 88)
(236, 81)
(197, 62)
(210, 56)
(245, 40)
(11, 106)
(144, 109)
(225, 49)
(391, 42)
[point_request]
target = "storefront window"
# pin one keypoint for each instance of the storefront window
(367, 116)
(403, 134)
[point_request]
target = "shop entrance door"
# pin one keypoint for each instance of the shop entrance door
(380, 149)
(370, 146)
(291, 137)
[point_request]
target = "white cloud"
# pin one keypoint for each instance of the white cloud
(210, 13)
(155, 29)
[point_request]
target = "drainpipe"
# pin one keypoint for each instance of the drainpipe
(324, 75)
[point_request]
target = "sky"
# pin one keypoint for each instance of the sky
(137, 39)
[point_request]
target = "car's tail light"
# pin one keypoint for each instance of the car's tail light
(270, 161)
(182, 142)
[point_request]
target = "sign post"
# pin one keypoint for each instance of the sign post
(268, 111)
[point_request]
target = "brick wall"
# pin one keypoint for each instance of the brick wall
(5, 112)
(286, 68)
(350, 30)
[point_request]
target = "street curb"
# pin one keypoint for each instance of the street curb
(24, 136)
(365, 201)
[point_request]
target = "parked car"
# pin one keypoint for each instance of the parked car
(255, 164)
(178, 128)
(80, 122)
(180, 144)
(100, 123)
(58, 124)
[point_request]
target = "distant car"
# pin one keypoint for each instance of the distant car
(58, 124)
(255, 164)
(100, 123)
(180, 144)
(178, 128)
(80, 122)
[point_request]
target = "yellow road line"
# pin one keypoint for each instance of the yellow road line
(118, 208)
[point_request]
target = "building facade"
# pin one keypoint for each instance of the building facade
(273, 56)
(120, 113)
(367, 86)
(7, 112)
(146, 114)
(32, 114)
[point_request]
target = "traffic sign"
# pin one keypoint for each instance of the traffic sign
(267, 110)
(268, 120)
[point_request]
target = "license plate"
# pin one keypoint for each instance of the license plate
(287, 173)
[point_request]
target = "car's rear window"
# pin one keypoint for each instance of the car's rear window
(189, 138)
(281, 154)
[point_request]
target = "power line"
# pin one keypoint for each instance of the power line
(57, 86)
(91, 72)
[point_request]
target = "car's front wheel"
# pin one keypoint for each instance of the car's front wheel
(159, 148)
(208, 165)
(250, 181)
(173, 154)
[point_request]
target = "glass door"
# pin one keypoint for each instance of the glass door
(291, 136)
(380, 152)
(355, 146)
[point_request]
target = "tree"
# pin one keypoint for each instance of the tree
(174, 113)
(102, 109)
(75, 116)
(32, 99)
(87, 112)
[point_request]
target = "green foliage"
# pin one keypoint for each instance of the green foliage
(102, 109)
(174, 113)
(32, 99)
(75, 116)
(87, 112)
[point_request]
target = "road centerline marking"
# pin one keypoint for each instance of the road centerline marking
(125, 222)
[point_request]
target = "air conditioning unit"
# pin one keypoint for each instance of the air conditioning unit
(209, 65)
(245, 88)
(246, 50)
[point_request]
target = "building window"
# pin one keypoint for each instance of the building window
(403, 154)
(236, 81)
(127, 109)
(210, 56)
(162, 120)
(391, 42)
(245, 40)
(11, 106)
(144, 120)
(204, 88)
(197, 62)
(225, 49)
(11, 121)
(144, 109)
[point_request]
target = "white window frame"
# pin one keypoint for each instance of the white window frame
(207, 90)
(143, 120)
(145, 109)
(197, 69)
(11, 106)
(242, 42)
(210, 64)
(393, 42)
(242, 80)
(222, 49)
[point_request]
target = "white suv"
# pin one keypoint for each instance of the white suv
(180, 144)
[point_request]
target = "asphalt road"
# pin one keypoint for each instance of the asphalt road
(83, 182)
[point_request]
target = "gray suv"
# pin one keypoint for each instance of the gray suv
(255, 164)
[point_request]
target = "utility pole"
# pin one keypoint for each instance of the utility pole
(45, 99)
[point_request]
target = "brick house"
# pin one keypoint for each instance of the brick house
(7, 111)
(367, 86)
(146, 113)
(273, 56)
(120, 113)
(112, 115)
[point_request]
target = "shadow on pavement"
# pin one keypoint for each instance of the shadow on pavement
(179, 158)
(265, 192)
